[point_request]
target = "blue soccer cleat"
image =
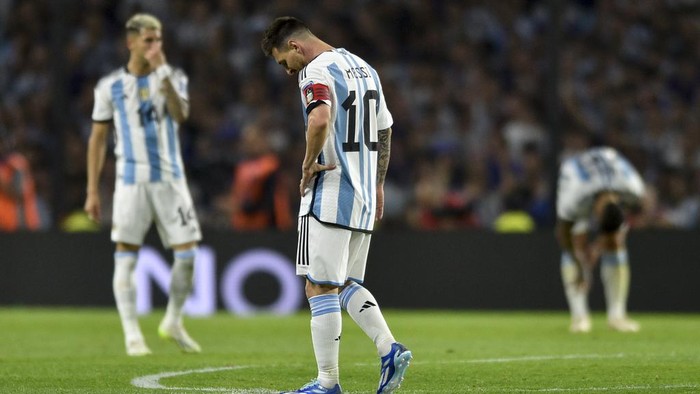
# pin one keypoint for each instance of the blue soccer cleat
(314, 387)
(394, 366)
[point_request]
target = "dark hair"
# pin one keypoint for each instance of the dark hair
(612, 218)
(278, 32)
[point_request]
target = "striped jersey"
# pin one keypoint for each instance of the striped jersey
(595, 170)
(345, 196)
(147, 146)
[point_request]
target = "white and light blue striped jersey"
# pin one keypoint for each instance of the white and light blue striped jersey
(147, 145)
(345, 196)
(595, 170)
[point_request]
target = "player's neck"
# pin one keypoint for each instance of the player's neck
(138, 67)
(317, 47)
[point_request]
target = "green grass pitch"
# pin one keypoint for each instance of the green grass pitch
(81, 351)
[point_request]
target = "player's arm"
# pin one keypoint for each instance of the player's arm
(564, 236)
(576, 245)
(384, 153)
(97, 147)
(178, 107)
(319, 121)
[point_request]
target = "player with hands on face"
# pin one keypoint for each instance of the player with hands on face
(146, 101)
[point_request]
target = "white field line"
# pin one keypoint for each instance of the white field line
(513, 359)
(153, 381)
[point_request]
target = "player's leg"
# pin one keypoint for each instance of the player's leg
(178, 227)
(131, 218)
(181, 284)
(326, 329)
(322, 259)
(364, 309)
(124, 288)
(615, 275)
(576, 296)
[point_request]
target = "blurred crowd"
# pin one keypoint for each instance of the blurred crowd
(487, 98)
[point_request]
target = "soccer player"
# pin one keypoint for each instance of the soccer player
(594, 188)
(146, 100)
(348, 136)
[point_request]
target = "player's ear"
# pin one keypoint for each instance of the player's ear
(294, 46)
(130, 37)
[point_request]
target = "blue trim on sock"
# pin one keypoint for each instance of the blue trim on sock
(187, 254)
(125, 254)
(324, 304)
(614, 258)
(567, 259)
(347, 293)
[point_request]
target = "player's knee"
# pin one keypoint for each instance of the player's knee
(315, 289)
(612, 241)
(124, 247)
(185, 246)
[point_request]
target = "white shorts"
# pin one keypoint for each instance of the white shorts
(331, 255)
(169, 204)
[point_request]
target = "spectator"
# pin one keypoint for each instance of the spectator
(259, 197)
(18, 200)
(628, 78)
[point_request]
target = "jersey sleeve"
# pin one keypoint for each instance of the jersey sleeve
(568, 195)
(384, 118)
(315, 88)
(102, 110)
(633, 181)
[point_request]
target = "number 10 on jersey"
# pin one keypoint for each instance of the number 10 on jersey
(350, 107)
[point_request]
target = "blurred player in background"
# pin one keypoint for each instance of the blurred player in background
(146, 100)
(348, 137)
(594, 188)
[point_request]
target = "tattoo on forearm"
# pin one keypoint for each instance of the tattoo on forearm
(383, 154)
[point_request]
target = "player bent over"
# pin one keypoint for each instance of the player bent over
(594, 188)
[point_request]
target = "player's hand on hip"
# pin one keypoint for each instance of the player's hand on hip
(307, 174)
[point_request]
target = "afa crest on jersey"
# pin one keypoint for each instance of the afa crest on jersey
(309, 93)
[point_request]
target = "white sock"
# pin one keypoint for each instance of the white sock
(364, 310)
(180, 285)
(326, 326)
(615, 275)
(124, 288)
(576, 297)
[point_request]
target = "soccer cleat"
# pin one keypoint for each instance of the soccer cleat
(623, 325)
(137, 348)
(581, 325)
(177, 334)
(394, 366)
(314, 387)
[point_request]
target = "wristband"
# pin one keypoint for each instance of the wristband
(164, 71)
